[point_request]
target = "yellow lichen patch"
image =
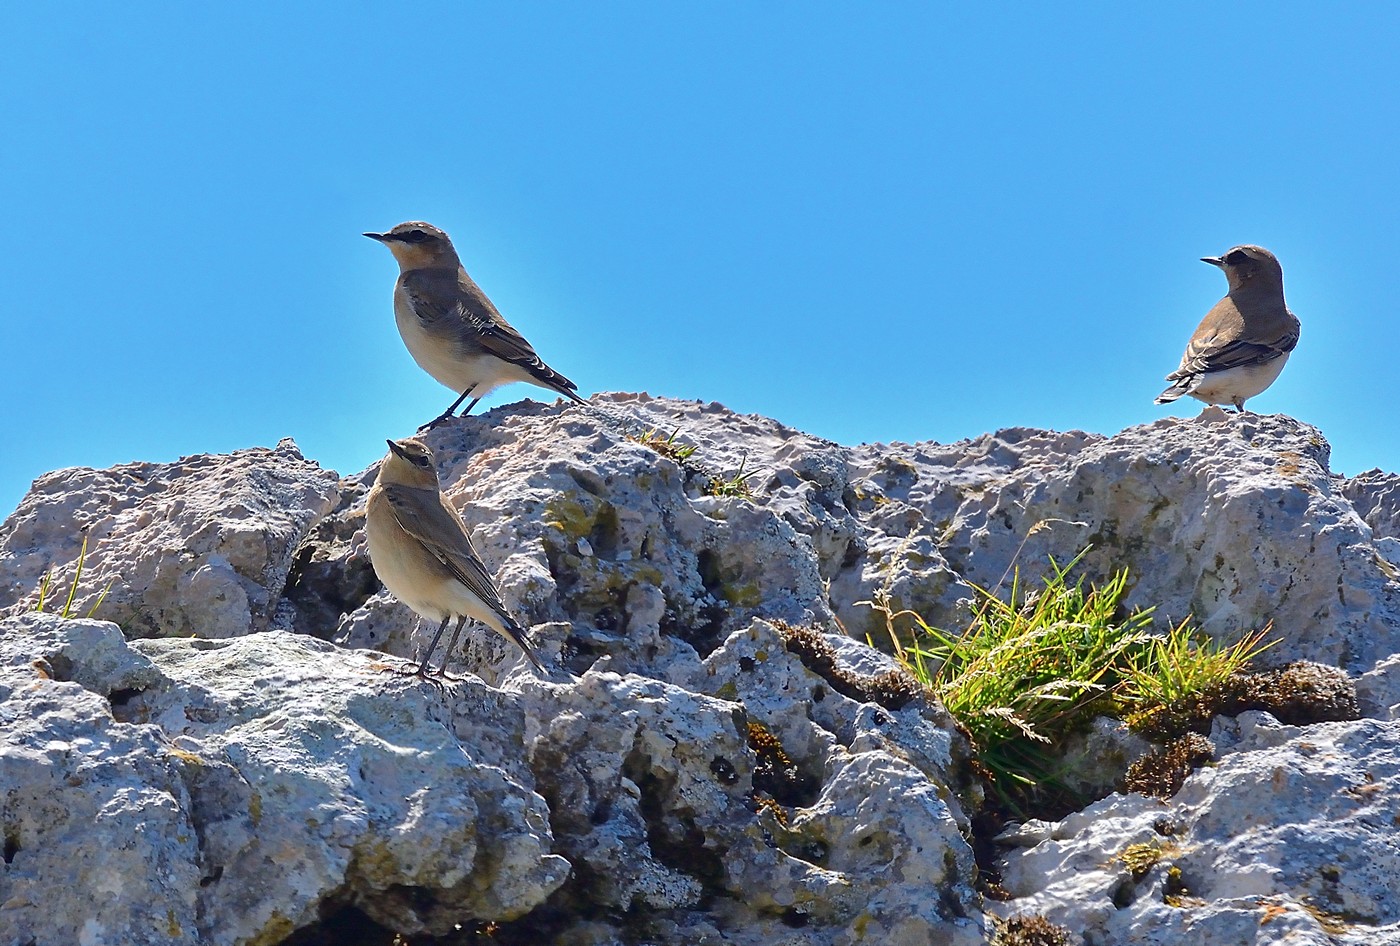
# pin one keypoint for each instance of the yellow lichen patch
(568, 516)
(746, 595)
(189, 758)
(1333, 923)
(1141, 858)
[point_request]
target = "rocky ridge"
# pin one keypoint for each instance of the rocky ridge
(234, 760)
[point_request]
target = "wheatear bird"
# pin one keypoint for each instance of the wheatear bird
(451, 329)
(422, 552)
(1243, 342)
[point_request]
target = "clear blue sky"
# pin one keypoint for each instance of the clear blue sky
(873, 222)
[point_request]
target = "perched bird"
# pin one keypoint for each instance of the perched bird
(422, 552)
(1243, 342)
(451, 329)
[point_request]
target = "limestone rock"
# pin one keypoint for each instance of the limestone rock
(194, 791)
(198, 547)
(711, 761)
(1289, 838)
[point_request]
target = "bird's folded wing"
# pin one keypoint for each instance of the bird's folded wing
(443, 536)
(452, 306)
(497, 335)
(1210, 356)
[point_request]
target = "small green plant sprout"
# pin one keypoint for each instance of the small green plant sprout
(736, 485)
(46, 586)
(667, 447)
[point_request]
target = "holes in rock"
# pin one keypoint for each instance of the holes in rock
(708, 565)
(795, 918)
(776, 774)
(60, 667)
(212, 878)
(603, 537)
(1123, 894)
(1175, 887)
(675, 840)
(747, 664)
(724, 770)
(11, 846)
(813, 851)
(125, 704)
(324, 582)
(705, 634)
(344, 927)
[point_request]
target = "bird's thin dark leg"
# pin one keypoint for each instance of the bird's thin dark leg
(448, 413)
(436, 637)
(474, 403)
(452, 644)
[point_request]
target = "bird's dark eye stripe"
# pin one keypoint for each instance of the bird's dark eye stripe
(1237, 257)
(414, 236)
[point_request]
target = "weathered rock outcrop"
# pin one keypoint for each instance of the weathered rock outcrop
(245, 762)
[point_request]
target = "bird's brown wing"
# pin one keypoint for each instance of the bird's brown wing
(1231, 355)
(501, 339)
(1229, 346)
(449, 302)
(425, 516)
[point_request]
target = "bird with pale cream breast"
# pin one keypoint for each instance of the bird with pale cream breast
(422, 551)
(1244, 341)
(451, 328)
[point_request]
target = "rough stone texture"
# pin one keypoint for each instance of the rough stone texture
(684, 776)
(1234, 520)
(190, 791)
(1289, 838)
(197, 547)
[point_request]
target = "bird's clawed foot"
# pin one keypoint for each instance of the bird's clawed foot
(435, 422)
(438, 679)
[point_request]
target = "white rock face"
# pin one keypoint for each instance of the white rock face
(684, 777)
(1289, 838)
(200, 547)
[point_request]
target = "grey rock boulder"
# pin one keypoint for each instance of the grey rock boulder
(1289, 838)
(198, 547)
(231, 791)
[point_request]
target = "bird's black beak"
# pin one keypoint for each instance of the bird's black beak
(1212, 260)
(396, 449)
(381, 237)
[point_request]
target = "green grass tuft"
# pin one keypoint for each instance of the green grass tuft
(668, 446)
(1039, 664)
(735, 486)
(46, 586)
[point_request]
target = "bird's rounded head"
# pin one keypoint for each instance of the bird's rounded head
(409, 463)
(1248, 264)
(418, 245)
